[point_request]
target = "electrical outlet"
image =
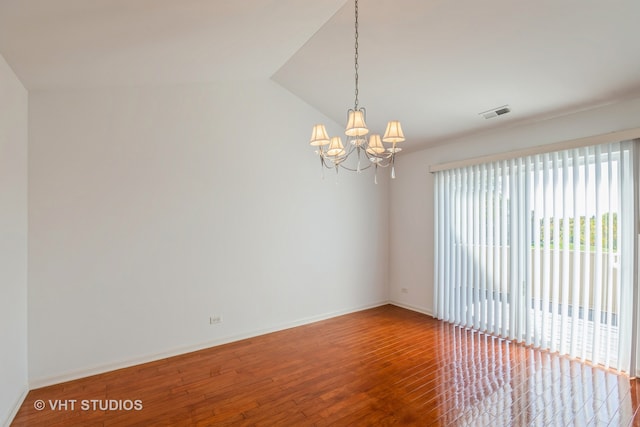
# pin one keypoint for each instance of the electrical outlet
(213, 320)
(404, 290)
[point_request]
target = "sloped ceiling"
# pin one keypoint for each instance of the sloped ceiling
(93, 43)
(433, 64)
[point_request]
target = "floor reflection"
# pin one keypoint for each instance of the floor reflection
(487, 381)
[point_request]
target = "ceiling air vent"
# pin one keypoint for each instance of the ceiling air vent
(495, 112)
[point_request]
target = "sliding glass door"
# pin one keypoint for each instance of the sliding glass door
(540, 249)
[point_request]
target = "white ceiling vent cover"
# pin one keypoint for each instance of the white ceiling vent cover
(495, 112)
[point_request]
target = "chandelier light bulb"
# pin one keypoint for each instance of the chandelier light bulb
(319, 136)
(375, 146)
(393, 133)
(336, 148)
(356, 125)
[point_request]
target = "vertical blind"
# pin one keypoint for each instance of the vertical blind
(540, 250)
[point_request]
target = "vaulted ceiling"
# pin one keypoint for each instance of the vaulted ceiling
(433, 64)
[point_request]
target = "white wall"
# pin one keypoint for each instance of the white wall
(411, 196)
(152, 209)
(13, 241)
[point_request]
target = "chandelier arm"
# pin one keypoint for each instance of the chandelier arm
(329, 162)
(355, 170)
(332, 162)
(329, 165)
(381, 157)
(382, 165)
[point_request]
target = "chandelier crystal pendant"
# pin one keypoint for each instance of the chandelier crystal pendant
(332, 151)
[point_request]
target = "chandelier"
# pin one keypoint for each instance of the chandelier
(332, 151)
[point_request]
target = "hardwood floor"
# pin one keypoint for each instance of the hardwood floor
(384, 366)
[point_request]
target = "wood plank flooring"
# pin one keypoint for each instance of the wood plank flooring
(384, 366)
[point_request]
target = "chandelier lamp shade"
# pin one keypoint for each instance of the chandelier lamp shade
(332, 151)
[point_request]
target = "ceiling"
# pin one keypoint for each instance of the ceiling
(433, 64)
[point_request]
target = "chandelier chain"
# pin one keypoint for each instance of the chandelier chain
(356, 55)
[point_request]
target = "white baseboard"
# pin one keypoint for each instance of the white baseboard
(413, 308)
(16, 407)
(82, 373)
